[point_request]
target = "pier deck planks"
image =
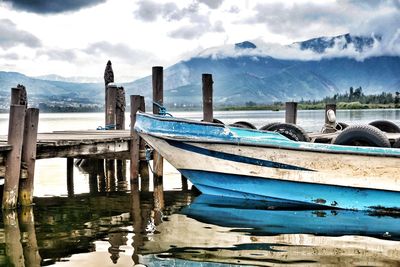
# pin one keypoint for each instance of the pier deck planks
(79, 143)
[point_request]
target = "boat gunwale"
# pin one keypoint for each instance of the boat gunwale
(248, 143)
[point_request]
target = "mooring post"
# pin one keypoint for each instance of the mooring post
(13, 162)
(29, 156)
(134, 145)
(207, 97)
(329, 107)
(70, 176)
(158, 99)
(110, 124)
(291, 112)
(143, 165)
(120, 125)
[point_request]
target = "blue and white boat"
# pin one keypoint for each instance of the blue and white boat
(250, 164)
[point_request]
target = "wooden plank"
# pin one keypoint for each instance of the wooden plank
(82, 150)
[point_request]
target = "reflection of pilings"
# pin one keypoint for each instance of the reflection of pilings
(116, 239)
(30, 247)
(137, 221)
(101, 175)
(12, 236)
(184, 183)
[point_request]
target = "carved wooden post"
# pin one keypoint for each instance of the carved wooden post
(207, 97)
(158, 97)
(29, 156)
(291, 112)
(13, 162)
(108, 78)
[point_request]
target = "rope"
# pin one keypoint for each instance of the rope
(107, 127)
(161, 109)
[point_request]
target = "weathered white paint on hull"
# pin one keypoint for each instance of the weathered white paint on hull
(360, 171)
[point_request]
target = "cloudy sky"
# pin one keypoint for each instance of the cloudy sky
(77, 37)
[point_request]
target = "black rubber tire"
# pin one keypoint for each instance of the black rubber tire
(243, 124)
(291, 131)
(362, 135)
(217, 121)
(268, 125)
(386, 126)
(340, 126)
(396, 143)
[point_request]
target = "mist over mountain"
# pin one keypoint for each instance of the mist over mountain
(248, 71)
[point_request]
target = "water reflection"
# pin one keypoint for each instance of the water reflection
(126, 228)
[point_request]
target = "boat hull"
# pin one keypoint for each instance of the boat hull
(275, 174)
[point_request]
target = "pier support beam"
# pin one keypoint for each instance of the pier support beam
(13, 163)
(158, 97)
(110, 124)
(291, 112)
(70, 176)
(143, 165)
(207, 89)
(134, 148)
(29, 156)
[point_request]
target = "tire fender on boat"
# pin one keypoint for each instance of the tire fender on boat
(386, 126)
(243, 124)
(362, 135)
(291, 131)
(268, 125)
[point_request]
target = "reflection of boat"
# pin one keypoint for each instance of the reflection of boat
(260, 218)
(215, 229)
(252, 164)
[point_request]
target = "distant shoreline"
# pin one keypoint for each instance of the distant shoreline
(271, 107)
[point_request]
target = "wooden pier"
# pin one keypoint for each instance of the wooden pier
(23, 145)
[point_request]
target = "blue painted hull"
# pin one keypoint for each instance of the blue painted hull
(249, 187)
(266, 218)
(249, 164)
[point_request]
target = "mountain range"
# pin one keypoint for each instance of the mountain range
(244, 72)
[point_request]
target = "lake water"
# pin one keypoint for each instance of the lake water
(93, 228)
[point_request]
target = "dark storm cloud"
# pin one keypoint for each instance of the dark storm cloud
(51, 6)
(11, 36)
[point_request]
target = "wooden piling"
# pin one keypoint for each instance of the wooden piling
(29, 156)
(13, 162)
(120, 125)
(110, 124)
(291, 112)
(70, 176)
(134, 147)
(207, 97)
(158, 97)
(108, 78)
(143, 165)
(328, 107)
